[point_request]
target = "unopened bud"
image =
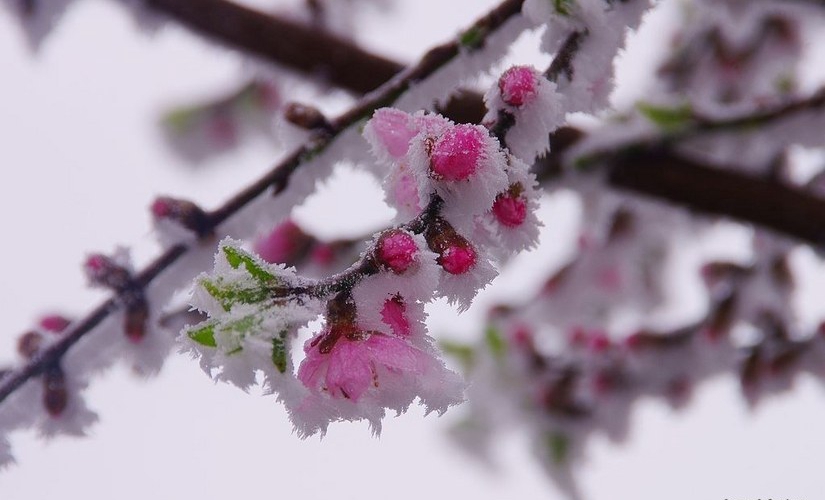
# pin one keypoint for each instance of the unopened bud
(456, 154)
(183, 212)
(518, 85)
(105, 272)
(286, 244)
(55, 394)
(306, 117)
(510, 208)
(135, 319)
(54, 323)
(396, 250)
(29, 344)
(456, 255)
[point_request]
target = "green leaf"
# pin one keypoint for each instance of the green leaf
(181, 120)
(279, 351)
(243, 325)
(494, 341)
(233, 332)
(559, 446)
(203, 335)
(464, 353)
(229, 295)
(667, 118)
(473, 38)
(563, 6)
(236, 257)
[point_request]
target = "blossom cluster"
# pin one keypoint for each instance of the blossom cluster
(462, 201)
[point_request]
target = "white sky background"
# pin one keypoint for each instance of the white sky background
(82, 158)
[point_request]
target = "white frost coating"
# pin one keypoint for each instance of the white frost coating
(605, 25)
(463, 69)
(534, 121)
(38, 22)
(461, 289)
(418, 281)
(76, 418)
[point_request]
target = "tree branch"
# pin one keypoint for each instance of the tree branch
(283, 41)
(720, 190)
(655, 168)
(277, 178)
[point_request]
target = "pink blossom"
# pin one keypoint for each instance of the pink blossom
(345, 362)
(518, 85)
(405, 192)
(392, 129)
(456, 153)
(394, 315)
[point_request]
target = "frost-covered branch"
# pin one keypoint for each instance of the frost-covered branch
(276, 180)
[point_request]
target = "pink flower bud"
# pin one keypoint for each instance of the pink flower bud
(458, 259)
(396, 250)
(105, 272)
(456, 154)
(322, 254)
(518, 85)
(510, 209)
(54, 323)
(286, 244)
(599, 342)
(161, 207)
(456, 255)
(183, 212)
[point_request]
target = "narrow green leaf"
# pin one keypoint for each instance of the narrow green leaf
(203, 335)
(464, 353)
(279, 351)
(236, 257)
(243, 325)
(229, 295)
(563, 6)
(473, 38)
(559, 446)
(494, 341)
(180, 120)
(667, 118)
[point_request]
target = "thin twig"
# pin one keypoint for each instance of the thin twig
(277, 178)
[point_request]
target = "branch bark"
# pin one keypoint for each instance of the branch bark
(720, 190)
(277, 179)
(286, 42)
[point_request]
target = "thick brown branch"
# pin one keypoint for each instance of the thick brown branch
(283, 41)
(302, 48)
(721, 191)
